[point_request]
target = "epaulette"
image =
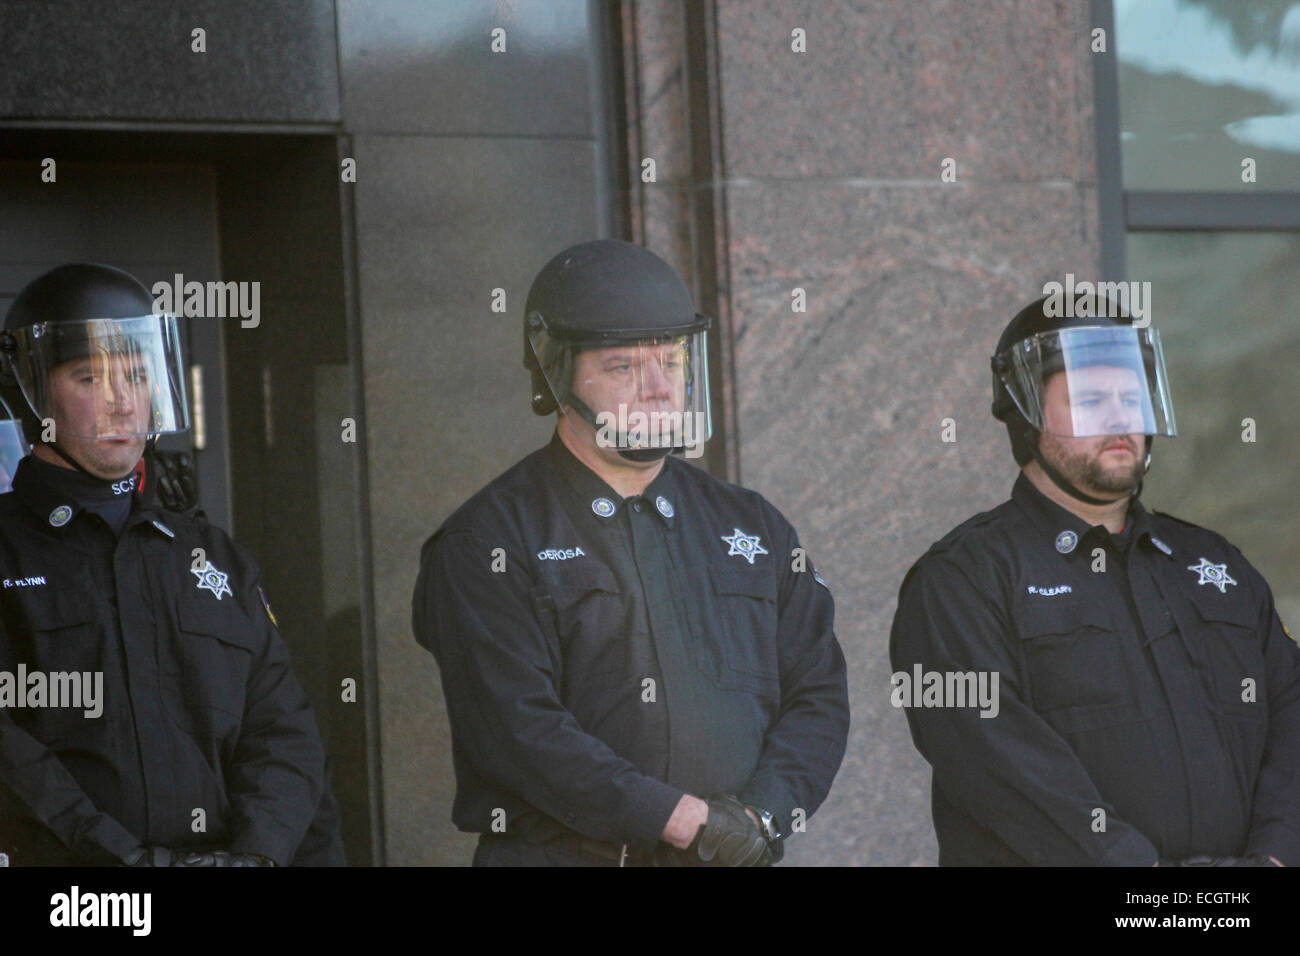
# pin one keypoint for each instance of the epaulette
(957, 533)
(1181, 521)
(1199, 529)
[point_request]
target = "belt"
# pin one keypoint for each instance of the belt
(624, 854)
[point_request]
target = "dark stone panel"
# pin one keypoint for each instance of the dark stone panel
(440, 224)
(411, 66)
(84, 59)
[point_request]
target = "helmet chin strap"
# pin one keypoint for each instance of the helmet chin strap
(1146, 466)
(645, 454)
(1070, 489)
(633, 454)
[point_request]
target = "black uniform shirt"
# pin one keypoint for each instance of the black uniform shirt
(200, 710)
(602, 656)
(1149, 696)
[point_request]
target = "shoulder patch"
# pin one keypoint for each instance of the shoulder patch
(267, 605)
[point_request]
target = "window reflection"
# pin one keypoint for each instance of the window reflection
(1225, 304)
(1204, 84)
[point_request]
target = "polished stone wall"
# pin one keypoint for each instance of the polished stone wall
(828, 179)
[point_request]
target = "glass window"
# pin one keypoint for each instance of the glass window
(1225, 304)
(1204, 84)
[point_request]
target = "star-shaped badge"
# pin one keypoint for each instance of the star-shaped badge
(745, 545)
(1216, 574)
(211, 578)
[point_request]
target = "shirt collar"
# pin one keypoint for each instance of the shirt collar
(1144, 529)
(600, 500)
(49, 504)
(1069, 533)
(53, 507)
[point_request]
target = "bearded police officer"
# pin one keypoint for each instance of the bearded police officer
(1149, 696)
(638, 659)
(188, 742)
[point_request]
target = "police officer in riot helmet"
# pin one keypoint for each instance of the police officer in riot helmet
(634, 672)
(1122, 637)
(205, 751)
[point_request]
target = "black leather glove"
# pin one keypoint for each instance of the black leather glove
(166, 856)
(729, 837)
(1258, 860)
(220, 858)
(149, 856)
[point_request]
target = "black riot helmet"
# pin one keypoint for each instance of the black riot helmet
(129, 367)
(612, 295)
(1114, 378)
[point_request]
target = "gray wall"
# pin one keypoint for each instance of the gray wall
(473, 169)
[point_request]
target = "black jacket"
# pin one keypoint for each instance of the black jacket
(602, 656)
(1149, 697)
(200, 708)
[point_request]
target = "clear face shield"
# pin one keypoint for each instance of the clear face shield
(640, 393)
(104, 378)
(1095, 380)
(13, 447)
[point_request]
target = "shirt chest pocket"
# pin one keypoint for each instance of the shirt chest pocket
(1224, 644)
(59, 635)
(1075, 658)
(739, 641)
(55, 630)
(205, 669)
(585, 609)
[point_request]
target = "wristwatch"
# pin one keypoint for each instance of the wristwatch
(767, 824)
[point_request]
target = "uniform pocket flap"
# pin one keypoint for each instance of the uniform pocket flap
(1228, 608)
(757, 583)
(1054, 616)
(225, 621)
(45, 608)
(573, 582)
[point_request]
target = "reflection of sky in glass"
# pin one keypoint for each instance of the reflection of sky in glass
(1192, 85)
(1224, 304)
(1269, 132)
(1164, 36)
